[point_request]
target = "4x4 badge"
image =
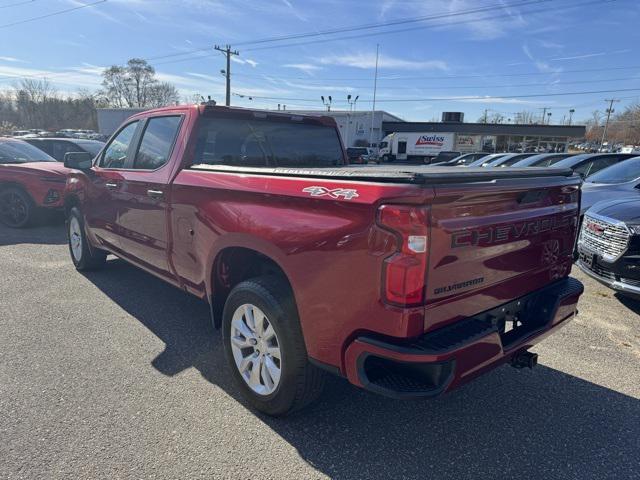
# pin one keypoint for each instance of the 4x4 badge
(346, 193)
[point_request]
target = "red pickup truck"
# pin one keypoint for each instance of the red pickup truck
(407, 280)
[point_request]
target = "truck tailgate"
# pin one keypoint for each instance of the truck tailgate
(492, 242)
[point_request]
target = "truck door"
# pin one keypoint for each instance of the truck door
(104, 200)
(143, 220)
(402, 149)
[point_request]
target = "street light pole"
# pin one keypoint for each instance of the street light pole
(327, 102)
(375, 87)
(352, 104)
(571, 112)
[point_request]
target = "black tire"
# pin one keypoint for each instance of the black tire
(16, 208)
(88, 257)
(300, 382)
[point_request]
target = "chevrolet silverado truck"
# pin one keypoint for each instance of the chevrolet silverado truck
(407, 280)
(31, 182)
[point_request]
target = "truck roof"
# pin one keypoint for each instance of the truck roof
(398, 174)
(211, 109)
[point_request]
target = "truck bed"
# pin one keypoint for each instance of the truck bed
(414, 174)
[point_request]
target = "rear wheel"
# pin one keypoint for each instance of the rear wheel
(16, 208)
(84, 256)
(265, 348)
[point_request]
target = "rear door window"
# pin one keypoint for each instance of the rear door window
(266, 143)
(157, 142)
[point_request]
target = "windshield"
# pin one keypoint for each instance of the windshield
(625, 171)
(90, 147)
(384, 144)
(21, 152)
(266, 143)
(515, 159)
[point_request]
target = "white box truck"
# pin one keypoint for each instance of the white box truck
(414, 147)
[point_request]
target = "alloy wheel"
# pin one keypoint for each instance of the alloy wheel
(256, 349)
(13, 209)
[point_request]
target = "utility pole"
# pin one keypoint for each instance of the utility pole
(375, 88)
(610, 110)
(486, 111)
(227, 52)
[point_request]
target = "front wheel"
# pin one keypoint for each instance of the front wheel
(16, 208)
(84, 257)
(265, 348)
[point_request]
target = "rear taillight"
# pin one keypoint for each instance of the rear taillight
(404, 271)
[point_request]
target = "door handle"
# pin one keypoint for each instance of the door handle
(155, 193)
(111, 185)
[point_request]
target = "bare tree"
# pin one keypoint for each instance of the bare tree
(136, 85)
(161, 94)
(525, 117)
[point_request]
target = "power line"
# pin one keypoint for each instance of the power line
(17, 4)
(362, 27)
(402, 21)
(59, 12)
(421, 27)
(489, 98)
(516, 85)
(351, 37)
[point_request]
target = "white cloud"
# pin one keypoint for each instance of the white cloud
(11, 59)
(307, 68)
(368, 61)
(243, 61)
(540, 65)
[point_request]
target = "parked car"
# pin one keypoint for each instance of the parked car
(444, 157)
(462, 160)
(509, 159)
(587, 164)
(609, 244)
(619, 180)
(59, 147)
(486, 160)
(30, 180)
(542, 160)
(358, 154)
(310, 265)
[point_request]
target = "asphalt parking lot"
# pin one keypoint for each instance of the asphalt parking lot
(115, 374)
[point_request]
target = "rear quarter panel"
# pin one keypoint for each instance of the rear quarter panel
(331, 250)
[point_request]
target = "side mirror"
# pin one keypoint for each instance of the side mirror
(78, 160)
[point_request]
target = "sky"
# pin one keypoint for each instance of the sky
(506, 56)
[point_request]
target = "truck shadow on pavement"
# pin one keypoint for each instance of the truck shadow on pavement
(507, 424)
